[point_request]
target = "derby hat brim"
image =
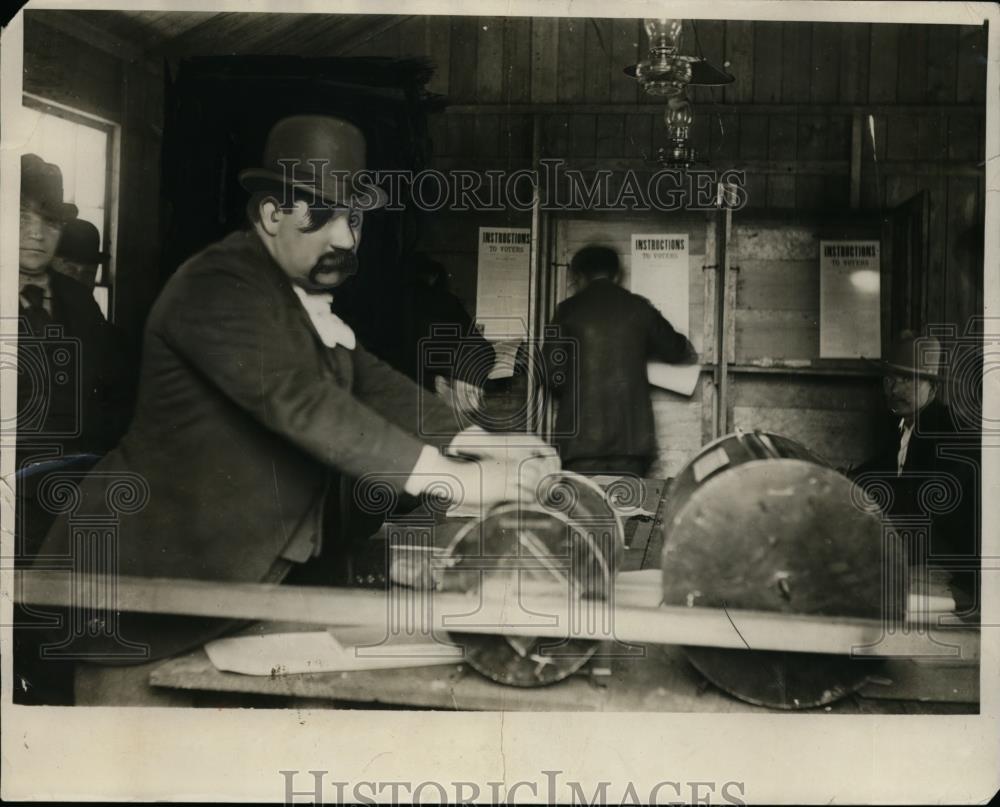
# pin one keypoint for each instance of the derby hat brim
(341, 194)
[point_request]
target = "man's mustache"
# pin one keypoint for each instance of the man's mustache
(344, 262)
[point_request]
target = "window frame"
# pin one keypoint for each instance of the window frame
(109, 234)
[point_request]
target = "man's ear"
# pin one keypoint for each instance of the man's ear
(270, 215)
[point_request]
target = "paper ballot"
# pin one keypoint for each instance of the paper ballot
(679, 378)
(316, 652)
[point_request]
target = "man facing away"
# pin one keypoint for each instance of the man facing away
(604, 422)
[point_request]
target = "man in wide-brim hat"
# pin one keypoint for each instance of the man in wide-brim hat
(930, 466)
(253, 392)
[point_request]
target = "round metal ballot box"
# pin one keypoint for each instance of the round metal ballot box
(573, 540)
(758, 522)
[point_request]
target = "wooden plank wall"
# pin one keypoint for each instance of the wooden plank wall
(788, 114)
(788, 120)
(62, 68)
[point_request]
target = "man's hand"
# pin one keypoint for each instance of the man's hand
(512, 447)
(487, 476)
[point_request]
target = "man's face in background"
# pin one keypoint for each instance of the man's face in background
(39, 237)
(905, 395)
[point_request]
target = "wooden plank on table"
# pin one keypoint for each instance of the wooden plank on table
(355, 607)
(767, 57)
(544, 59)
(597, 66)
(826, 56)
(625, 35)
(490, 64)
(942, 63)
(883, 63)
(740, 55)
(462, 78)
(796, 62)
(572, 39)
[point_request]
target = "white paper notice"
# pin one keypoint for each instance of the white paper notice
(850, 311)
(503, 282)
(679, 378)
(660, 273)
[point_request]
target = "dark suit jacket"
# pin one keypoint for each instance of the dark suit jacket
(940, 482)
(604, 398)
(81, 400)
(242, 413)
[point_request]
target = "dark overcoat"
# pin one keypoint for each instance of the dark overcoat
(242, 415)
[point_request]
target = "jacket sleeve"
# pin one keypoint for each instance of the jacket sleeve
(234, 330)
(662, 341)
(400, 400)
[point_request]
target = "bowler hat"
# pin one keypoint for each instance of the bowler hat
(911, 354)
(319, 155)
(42, 183)
(80, 242)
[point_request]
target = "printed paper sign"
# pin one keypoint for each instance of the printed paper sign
(660, 274)
(504, 272)
(850, 310)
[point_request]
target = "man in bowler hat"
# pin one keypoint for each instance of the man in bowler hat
(72, 387)
(79, 254)
(253, 394)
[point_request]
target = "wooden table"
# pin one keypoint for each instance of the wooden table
(659, 680)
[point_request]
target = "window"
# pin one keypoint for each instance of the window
(84, 148)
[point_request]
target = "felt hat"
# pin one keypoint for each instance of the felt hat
(318, 155)
(42, 183)
(80, 242)
(913, 355)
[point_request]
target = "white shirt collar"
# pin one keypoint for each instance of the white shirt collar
(331, 328)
